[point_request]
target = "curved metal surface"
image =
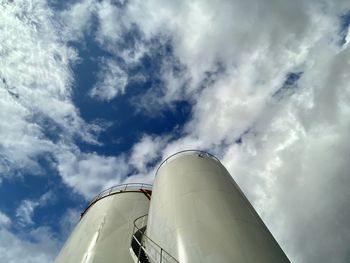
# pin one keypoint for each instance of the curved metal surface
(103, 234)
(199, 214)
(187, 152)
(154, 252)
(130, 187)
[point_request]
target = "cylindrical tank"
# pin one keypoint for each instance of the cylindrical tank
(199, 214)
(104, 231)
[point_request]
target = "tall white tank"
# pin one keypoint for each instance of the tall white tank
(199, 214)
(104, 232)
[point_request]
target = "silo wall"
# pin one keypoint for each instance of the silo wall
(104, 232)
(199, 214)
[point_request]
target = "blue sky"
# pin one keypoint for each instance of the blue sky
(97, 93)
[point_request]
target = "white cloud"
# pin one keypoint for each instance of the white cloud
(200, 45)
(347, 38)
(35, 86)
(4, 220)
(18, 136)
(26, 209)
(78, 19)
(111, 24)
(132, 55)
(111, 81)
(35, 245)
(145, 151)
(90, 173)
(41, 249)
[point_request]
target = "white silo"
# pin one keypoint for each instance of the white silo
(199, 214)
(104, 231)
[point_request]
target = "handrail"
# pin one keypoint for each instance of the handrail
(180, 153)
(118, 188)
(158, 255)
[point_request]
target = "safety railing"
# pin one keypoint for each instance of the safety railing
(188, 152)
(146, 246)
(121, 188)
(117, 189)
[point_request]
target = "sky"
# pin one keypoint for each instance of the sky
(94, 93)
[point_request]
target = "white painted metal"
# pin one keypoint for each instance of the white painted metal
(103, 234)
(199, 214)
(152, 250)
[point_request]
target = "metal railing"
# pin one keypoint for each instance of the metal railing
(154, 252)
(117, 189)
(121, 188)
(188, 152)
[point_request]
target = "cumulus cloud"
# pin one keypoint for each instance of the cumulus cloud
(90, 173)
(145, 151)
(200, 45)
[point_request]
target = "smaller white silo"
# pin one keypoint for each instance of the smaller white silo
(104, 231)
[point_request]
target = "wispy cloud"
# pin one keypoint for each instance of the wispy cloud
(25, 211)
(35, 67)
(111, 82)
